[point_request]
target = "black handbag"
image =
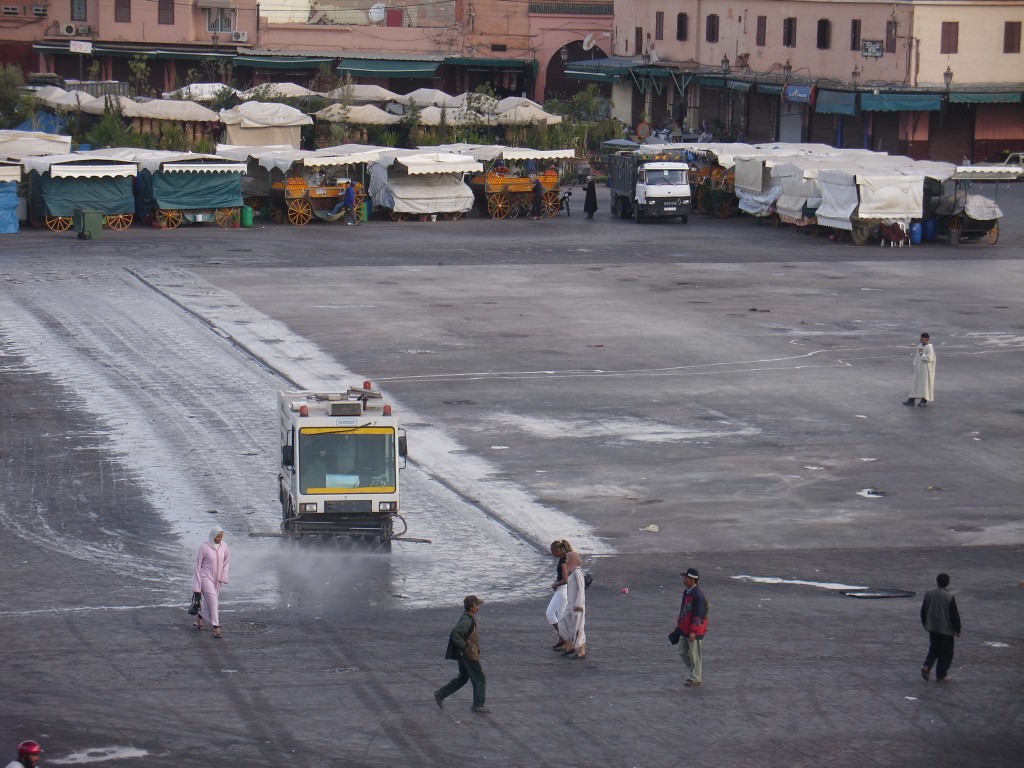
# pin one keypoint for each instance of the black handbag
(587, 580)
(197, 599)
(675, 636)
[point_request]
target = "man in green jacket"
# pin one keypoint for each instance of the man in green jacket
(464, 648)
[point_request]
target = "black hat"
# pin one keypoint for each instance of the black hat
(693, 573)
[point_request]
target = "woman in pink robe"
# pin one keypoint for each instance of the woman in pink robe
(211, 571)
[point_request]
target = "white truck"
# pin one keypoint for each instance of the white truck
(649, 186)
(340, 458)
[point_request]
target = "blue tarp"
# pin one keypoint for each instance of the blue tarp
(900, 102)
(43, 122)
(836, 103)
(8, 208)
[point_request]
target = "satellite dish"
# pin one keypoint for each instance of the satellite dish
(377, 13)
(588, 41)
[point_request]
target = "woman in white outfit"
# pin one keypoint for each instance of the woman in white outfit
(556, 606)
(210, 573)
(573, 620)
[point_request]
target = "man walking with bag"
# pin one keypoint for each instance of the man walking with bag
(692, 624)
(464, 648)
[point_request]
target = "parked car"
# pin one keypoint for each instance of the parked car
(1005, 159)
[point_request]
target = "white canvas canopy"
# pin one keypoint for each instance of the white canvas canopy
(417, 162)
(440, 193)
(10, 172)
(488, 152)
(157, 109)
(363, 114)
(511, 102)
(259, 124)
(525, 114)
(154, 160)
(76, 165)
(838, 198)
(363, 94)
(277, 90)
(425, 97)
(15, 145)
(431, 116)
(200, 92)
(890, 197)
(58, 98)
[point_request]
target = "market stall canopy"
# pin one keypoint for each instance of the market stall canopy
(418, 163)
(259, 124)
(200, 92)
(363, 114)
(343, 154)
(10, 172)
(58, 98)
(277, 90)
(511, 102)
(363, 94)
(157, 109)
(154, 160)
(431, 116)
(77, 166)
(15, 145)
(425, 97)
(527, 115)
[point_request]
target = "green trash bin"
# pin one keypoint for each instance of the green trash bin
(246, 217)
(88, 224)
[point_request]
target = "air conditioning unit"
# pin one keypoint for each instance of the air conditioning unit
(238, 36)
(40, 10)
(68, 30)
(84, 29)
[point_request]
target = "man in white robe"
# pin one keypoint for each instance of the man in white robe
(923, 386)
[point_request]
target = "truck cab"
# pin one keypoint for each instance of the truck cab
(662, 190)
(341, 453)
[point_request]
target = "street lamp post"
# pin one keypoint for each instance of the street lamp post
(787, 70)
(725, 65)
(564, 53)
(855, 77)
(947, 77)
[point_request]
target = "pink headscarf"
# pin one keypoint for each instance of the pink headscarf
(573, 561)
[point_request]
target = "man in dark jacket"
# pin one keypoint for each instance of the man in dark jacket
(464, 648)
(941, 618)
(692, 624)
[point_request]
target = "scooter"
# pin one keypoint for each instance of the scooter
(563, 202)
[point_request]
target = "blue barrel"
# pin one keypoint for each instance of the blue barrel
(915, 233)
(930, 228)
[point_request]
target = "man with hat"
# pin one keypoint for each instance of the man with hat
(692, 624)
(464, 648)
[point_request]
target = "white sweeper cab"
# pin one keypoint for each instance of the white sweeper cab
(340, 458)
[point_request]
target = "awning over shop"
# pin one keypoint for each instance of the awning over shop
(215, 3)
(128, 51)
(739, 85)
(711, 82)
(388, 67)
(610, 70)
(477, 61)
(799, 94)
(836, 103)
(984, 98)
(281, 62)
(769, 90)
(900, 102)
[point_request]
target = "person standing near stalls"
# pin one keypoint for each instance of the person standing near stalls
(464, 648)
(210, 573)
(923, 386)
(590, 199)
(28, 755)
(939, 615)
(538, 193)
(692, 624)
(573, 622)
(557, 604)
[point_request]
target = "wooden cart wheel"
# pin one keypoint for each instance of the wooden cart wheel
(300, 212)
(169, 219)
(993, 234)
(255, 202)
(549, 204)
(119, 221)
(226, 217)
(399, 216)
(452, 215)
(498, 205)
(58, 223)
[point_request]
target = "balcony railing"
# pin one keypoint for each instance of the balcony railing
(574, 9)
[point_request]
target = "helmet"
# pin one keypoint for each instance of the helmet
(29, 748)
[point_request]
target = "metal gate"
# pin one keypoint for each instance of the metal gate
(791, 123)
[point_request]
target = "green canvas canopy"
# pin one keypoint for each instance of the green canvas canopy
(188, 190)
(61, 196)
